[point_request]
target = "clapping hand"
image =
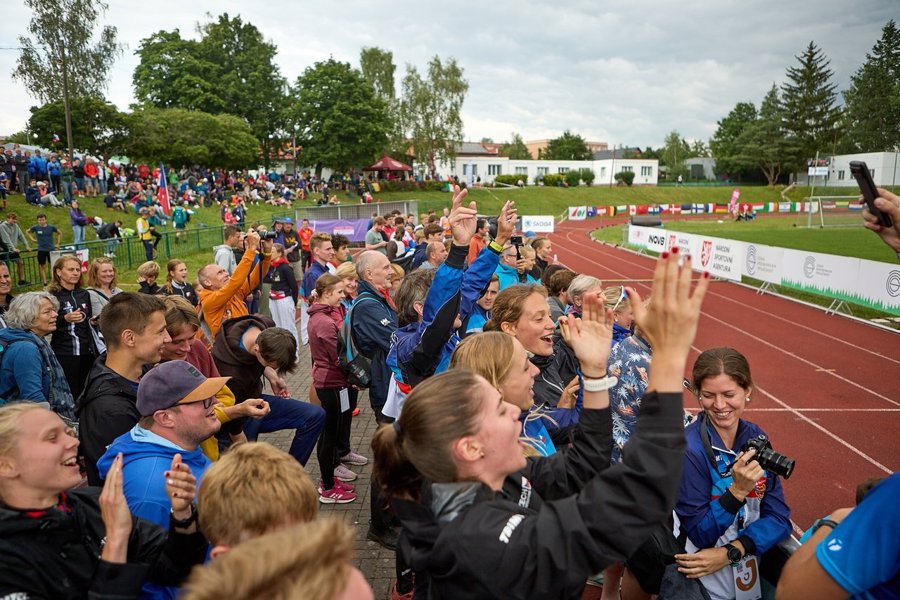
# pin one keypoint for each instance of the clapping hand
(590, 336)
(115, 514)
(463, 218)
(506, 223)
(181, 487)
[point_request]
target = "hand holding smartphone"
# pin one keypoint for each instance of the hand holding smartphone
(860, 172)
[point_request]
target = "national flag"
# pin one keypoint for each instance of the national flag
(55, 138)
(163, 194)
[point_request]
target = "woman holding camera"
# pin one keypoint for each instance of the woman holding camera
(731, 508)
(482, 521)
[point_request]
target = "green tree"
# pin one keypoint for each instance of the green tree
(378, 69)
(515, 148)
(430, 111)
(872, 102)
(568, 146)
(729, 154)
(674, 153)
(342, 123)
(61, 61)
(809, 97)
(97, 125)
(177, 136)
(765, 143)
(172, 73)
(699, 149)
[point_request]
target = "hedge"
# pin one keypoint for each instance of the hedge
(511, 179)
(625, 176)
(573, 177)
(553, 179)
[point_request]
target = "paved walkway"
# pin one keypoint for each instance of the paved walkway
(376, 563)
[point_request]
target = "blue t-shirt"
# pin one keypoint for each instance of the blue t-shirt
(45, 236)
(862, 554)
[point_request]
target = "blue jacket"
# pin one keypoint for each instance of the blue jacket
(308, 285)
(706, 511)
(419, 256)
(619, 334)
(37, 166)
(19, 379)
(374, 322)
(510, 276)
(146, 456)
(419, 350)
(475, 322)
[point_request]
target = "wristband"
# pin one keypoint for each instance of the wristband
(183, 523)
(495, 247)
(599, 385)
(823, 523)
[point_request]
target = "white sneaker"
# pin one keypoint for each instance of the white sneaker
(342, 473)
(352, 458)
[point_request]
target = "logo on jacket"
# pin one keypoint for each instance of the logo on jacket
(385, 322)
(525, 496)
(510, 527)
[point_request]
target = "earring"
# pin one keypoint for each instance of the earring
(748, 399)
(482, 454)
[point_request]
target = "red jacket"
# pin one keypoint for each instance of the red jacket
(323, 331)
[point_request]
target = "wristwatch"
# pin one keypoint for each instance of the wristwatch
(734, 555)
(183, 523)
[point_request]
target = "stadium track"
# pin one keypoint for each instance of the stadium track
(827, 388)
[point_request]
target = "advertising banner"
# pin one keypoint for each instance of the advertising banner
(577, 213)
(824, 274)
(538, 223)
(353, 229)
(651, 238)
(719, 257)
(765, 263)
(881, 286)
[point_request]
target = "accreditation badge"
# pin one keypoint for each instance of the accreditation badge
(747, 584)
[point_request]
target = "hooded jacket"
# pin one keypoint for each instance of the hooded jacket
(240, 364)
(55, 553)
(106, 409)
(327, 371)
(145, 458)
(373, 323)
(510, 276)
(19, 379)
(557, 370)
(555, 522)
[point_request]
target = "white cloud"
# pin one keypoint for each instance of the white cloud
(625, 74)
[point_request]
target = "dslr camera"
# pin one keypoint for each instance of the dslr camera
(267, 235)
(767, 458)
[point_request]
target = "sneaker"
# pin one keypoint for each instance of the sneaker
(338, 484)
(336, 495)
(344, 474)
(352, 458)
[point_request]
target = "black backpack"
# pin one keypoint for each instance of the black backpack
(356, 366)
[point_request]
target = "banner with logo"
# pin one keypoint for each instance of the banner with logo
(353, 229)
(577, 213)
(824, 274)
(765, 263)
(538, 223)
(720, 257)
(879, 286)
(651, 238)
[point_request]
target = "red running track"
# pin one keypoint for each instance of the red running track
(827, 389)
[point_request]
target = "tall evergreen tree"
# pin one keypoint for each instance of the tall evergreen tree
(808, 98)
(764, 143)
(872, 102)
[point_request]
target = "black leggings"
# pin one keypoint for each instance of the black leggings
(342, 447)
(330, 399)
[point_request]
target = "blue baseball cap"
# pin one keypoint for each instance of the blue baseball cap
(287, 220)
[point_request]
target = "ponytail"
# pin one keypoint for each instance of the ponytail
(439, 411)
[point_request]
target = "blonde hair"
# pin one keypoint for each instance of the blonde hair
(252, 490)
(311, 560)
(149, 269)
(581, 285)
(398, 271)
(179, 314)
(489, 354)
(94, 272)
(10, 414)
(615, 298)
(509, 304)
(346, 270)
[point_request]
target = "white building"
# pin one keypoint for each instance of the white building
(646, 172)
(885, 168)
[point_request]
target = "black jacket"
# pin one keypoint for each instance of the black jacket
(56, 555)
(556, 522)
(73, 339)
(106, 409)
(557, 371)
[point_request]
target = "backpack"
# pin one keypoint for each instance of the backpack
(180, 216)
(356, 366)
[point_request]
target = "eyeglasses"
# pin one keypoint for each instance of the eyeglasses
(622, 296)
(207, 402)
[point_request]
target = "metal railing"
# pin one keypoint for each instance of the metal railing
(126, 253)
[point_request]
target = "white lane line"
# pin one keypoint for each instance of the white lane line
(778, 348)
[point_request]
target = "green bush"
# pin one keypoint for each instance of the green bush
(411, 185)
(553, 179)
(511, 179)
(627, 177)
(573, 177)
(587, 176)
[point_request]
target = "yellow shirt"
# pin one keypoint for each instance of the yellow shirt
(143, 229)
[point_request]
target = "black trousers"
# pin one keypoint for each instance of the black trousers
(330, 399)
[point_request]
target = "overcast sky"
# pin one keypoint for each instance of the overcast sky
(620, 72)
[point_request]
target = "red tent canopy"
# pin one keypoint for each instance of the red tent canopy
(388, 164)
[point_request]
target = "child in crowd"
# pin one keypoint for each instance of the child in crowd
(147, 274)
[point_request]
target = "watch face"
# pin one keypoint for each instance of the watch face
(734, 555)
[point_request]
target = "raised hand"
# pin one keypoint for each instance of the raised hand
(590, 336)
(463, 217)
(181, 487)
(670, 323)
(115, 514)
(506, 222)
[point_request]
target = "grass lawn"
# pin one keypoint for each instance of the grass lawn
(781, 231)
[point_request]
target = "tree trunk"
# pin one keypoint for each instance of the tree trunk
(66, 108)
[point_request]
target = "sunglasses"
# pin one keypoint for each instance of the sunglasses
(622, 296)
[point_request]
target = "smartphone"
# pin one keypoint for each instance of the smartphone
(863, 177)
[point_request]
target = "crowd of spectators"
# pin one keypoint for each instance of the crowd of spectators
(532, 432)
